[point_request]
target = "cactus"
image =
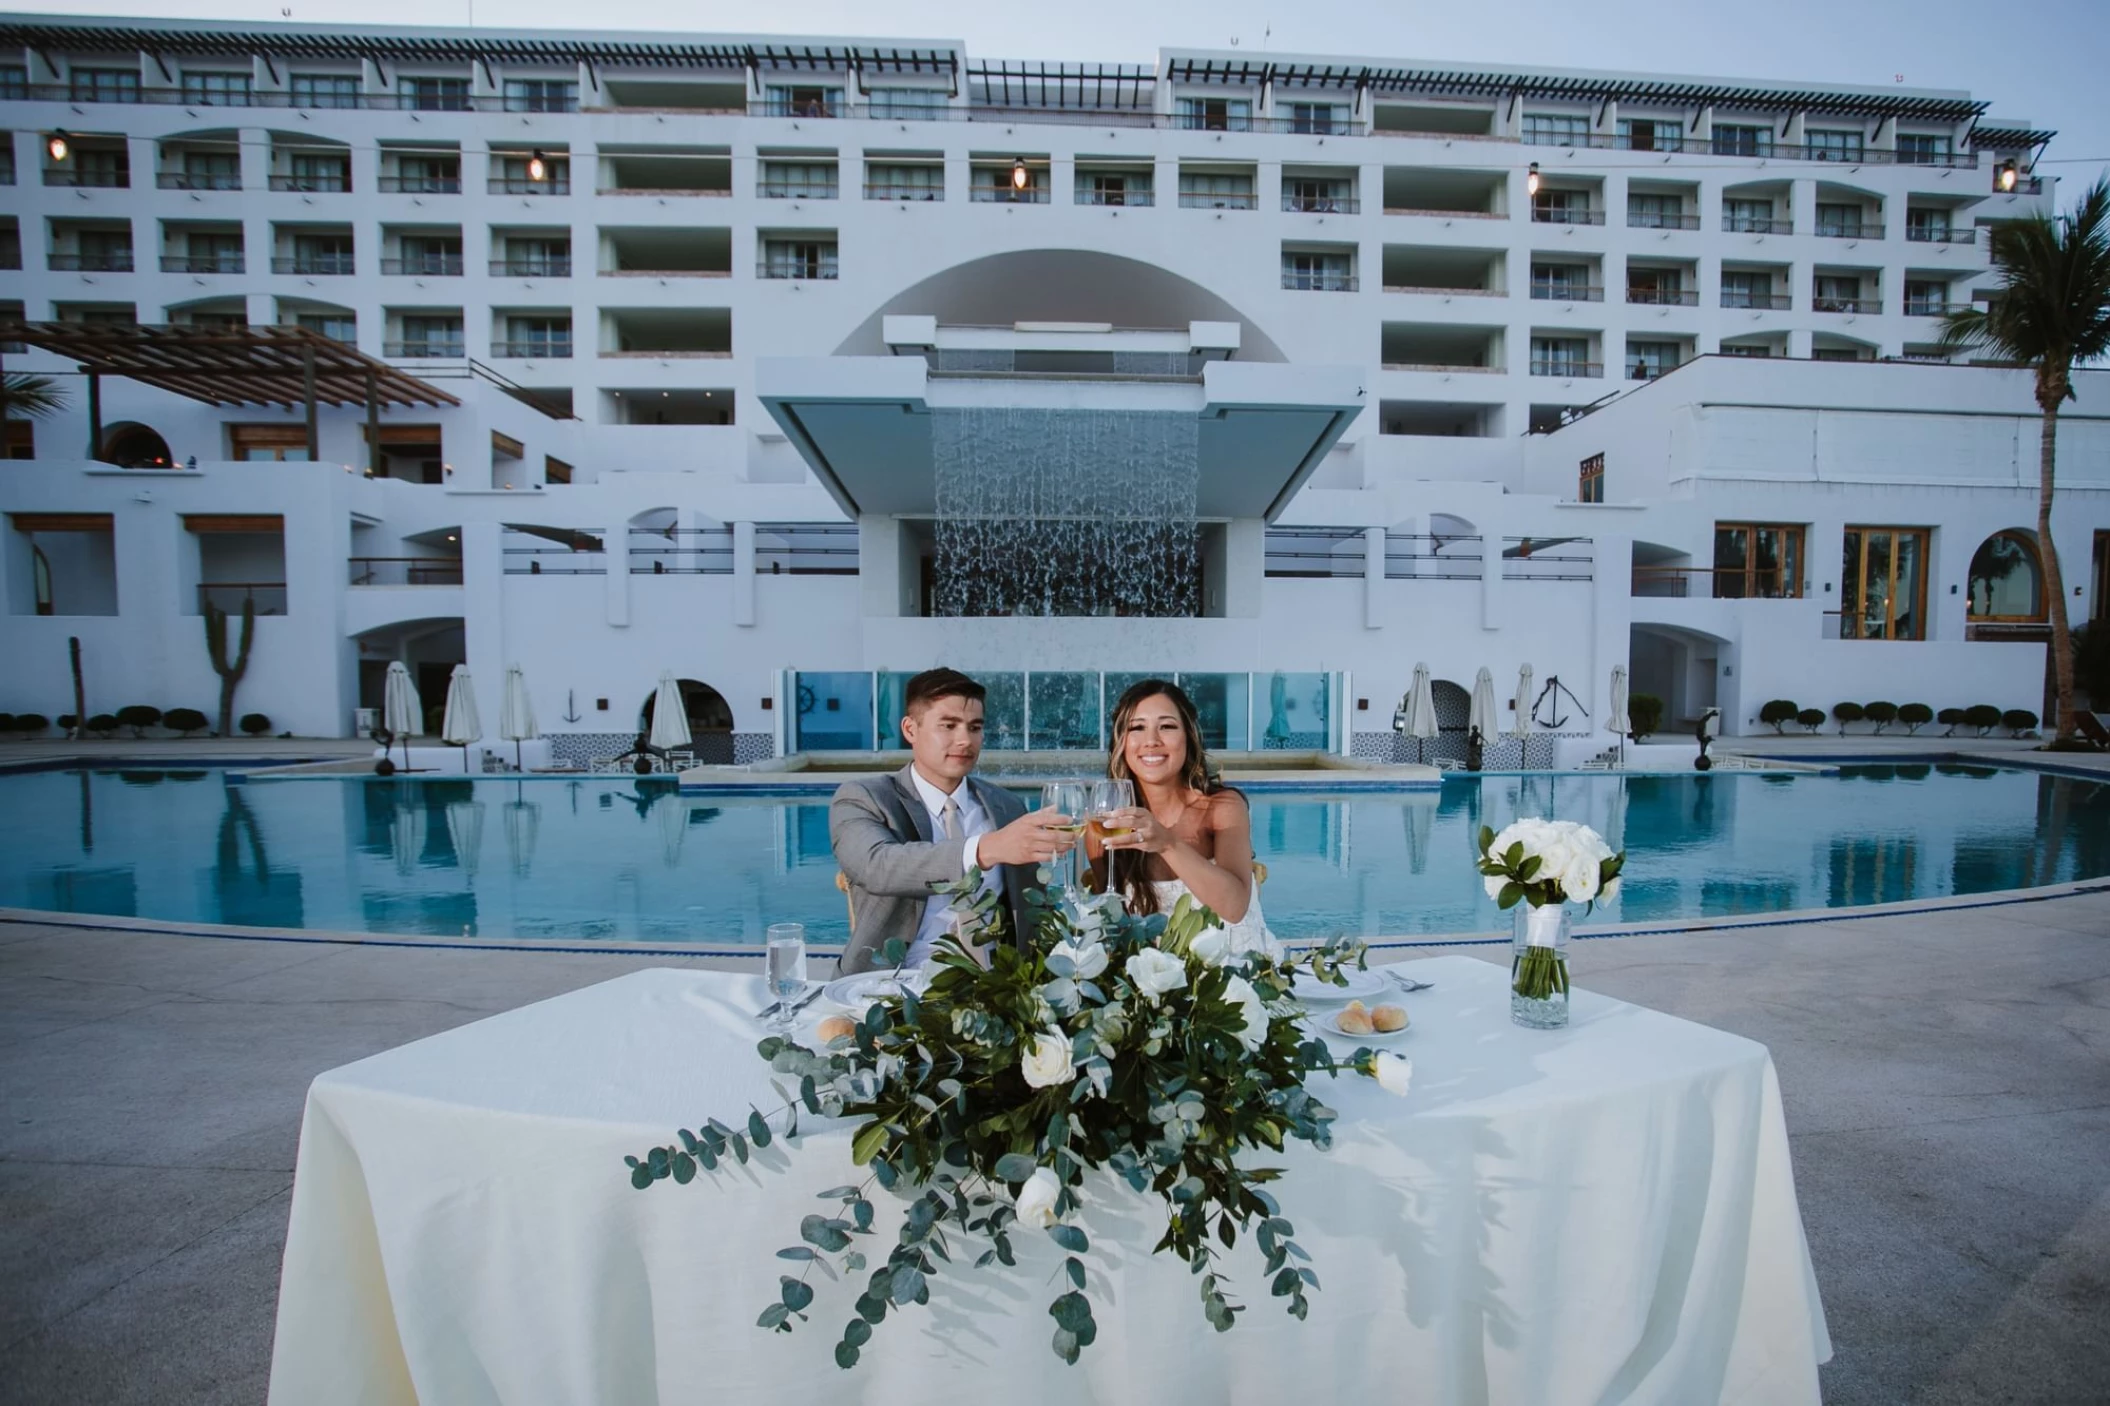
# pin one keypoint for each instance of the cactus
(216, 645)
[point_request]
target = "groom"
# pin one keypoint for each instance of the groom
(930, 822)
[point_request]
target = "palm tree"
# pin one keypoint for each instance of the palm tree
(24, 397)
(2050, 311)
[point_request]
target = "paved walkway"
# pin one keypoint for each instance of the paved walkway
(1947, 1078)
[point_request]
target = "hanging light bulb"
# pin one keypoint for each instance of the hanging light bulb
(60, 149)
(2008, 176)
(538, 167)
(1019, 175)
(1531, 180)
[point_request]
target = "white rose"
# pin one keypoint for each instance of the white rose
(1609, 892)
(1240, 993)
(1394, 1073)
(1088, 960)
(1554, 858)
(1579, 879)
(1047, 1060)
(1211, 947)
(1036, 1199)
(1154, 972)
(1494, 884)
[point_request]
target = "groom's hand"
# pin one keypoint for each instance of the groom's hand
(1031, 839)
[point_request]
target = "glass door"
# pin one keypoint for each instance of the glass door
(1884, 590)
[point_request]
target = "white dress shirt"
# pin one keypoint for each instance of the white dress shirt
(974, 823)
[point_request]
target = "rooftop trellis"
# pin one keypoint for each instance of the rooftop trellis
(1087, 86)
(1486, 83)
(2009, 138)
(232, 365)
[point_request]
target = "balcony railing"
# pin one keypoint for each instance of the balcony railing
(1754, 224)
(1850, 305)
(1565, 215)
(1322, 204)
(688, 551)
(429, 347)
(1004, 193)
(199, 180)
(201, 263)
(1931, 307)
(314, 185)
(894, 190)
(269, 596)
(531, 268)
(419, 185)
(684, 191)
(527, 185)
(1703, 582)
(405, 571)
(805, 549)
(113, 262)
(1939, 234)
(1836, 229)
(535, 349)
(424, 266)
(1567, 293)
(800, 269)
(1138, 198)
(315, 265)
(1192, 200)
(1426, 556)
(2024, 185)
(796, 190)
(1549, 559)
(1664, 297)
(88, 178)
(1960, 160)
(1318, 281)
(1652, 219)
(1585, 370)
(1314, 553)
(1770, 302)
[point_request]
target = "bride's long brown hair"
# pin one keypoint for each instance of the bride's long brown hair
(1125, 867)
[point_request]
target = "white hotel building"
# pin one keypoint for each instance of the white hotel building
(689, 321)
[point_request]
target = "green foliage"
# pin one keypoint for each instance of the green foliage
(2051, 308)
(139, 717)
(30, 724)
(1915, 716)
(1522, 872)
(230, 670)
(67, 722)
(29, 397)
(1810, 718)
(255, 724)
(1983, 716)
(102, 724)
(1882, 714)
(1845, 713)
(1950, 718)
(2018, 721)
(1167, 1090)
(184, 720)
(1645, 712)
(1778, 713)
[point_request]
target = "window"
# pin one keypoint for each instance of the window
(103, 167)
(541, 95)
(797, 180)
(1926, 298)
(1743, 289)
(319, 173)
(1833, 146)
(337, 326)
(1318, 271)
(1561, 356)
(1318, 194)
(1917, 150)
(543, 336)
(997, 183)
(1757, 349)
(268, 443)
(1326, 119)
(324, 90)
(14, 83)
(1757, 560)
(1113, 188)
(798, 258)
(1927, 226)
(432, 255)
(431, 335)
(321, 254)
(212, 170)
(1742, 139)
(544, 257)
(1651, 134)
(436, 94)
(2007, 579)
(908, 104)
(1837, 293)
(803, 100)
(1216, 190)
(105, 85)
(1563, 207)
(216, 89)
(1660, 287)
(514, 176)
(1215, 114)
(1839, 221)
(1646, 361)
(904, 181)
(1589, 486)
(215, 253)
(1545, 129)
(1747, 216)
(1563, 283)
(428, 175)
(1655, 212)
(1883, 585)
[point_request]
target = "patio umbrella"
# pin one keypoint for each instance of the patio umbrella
(673, 817)
(1277, 709)
(1524, 700)
(401, 712)
(1421, 712)
(670, 716)
(1420, 808)
(1615, 719)
(523, 822)
(516, 714)
(1482, 715)
(406, 828)
(461, 726)
(465, 826)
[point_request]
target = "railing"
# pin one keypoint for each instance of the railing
(698, 191)
(1835, 229)
(426, 348)
(405, 571)
(201, 263)
(419, 185)
(89, 263)
(1322, 204)
(315, 265)
(805, 549)
(538, 348)
(269, 596)
(552, 184)
(1958, 160)
(1431, 556)
(2024, 185)
(1586, 370)
(185, 180)
(1007, 194)
(1549, 559)
(1314, 552)
(797, 269)
(424, 266)
(314, 185)
(549, 558)
(688, 551)
(79, 178)
(1191, 200)
(1441, 292)
(1754, 224)
(1647, 371)
(1552, 215)
(1319, 282)
(893, 190)
(1850, 305)
(1939, 234)
(1446, 214)
(531, 268)
(1931, 307)
(1664, 297)
(542, 102)
(1774, 302)
(1650, 219)
(1137, 198)
(1567, 292)
(796, 190)
(1706, 582)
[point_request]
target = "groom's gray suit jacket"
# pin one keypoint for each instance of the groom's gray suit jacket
(883, 842)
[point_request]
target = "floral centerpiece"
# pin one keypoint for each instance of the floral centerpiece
(1546, 864)
(1138, 1047)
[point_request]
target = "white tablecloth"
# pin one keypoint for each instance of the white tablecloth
(1600, 1214)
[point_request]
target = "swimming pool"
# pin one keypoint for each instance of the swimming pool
(605, 860)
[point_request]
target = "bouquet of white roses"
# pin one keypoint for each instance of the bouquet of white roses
(1134, 1045)
(1547, 862)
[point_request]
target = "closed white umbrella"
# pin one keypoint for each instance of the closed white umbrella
(465, 826)
(523, 821)
(673, 816)
(406, 827)
(1525, 699)
(1421, 711)
(1482, 714)
(461, 726)
(1616, 720)
(401, 712)
(516, 714)
(670, 716)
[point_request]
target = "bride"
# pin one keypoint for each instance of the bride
(1189, 833)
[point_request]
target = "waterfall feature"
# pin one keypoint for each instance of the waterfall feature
(1065, 512)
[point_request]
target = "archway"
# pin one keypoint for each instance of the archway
(1690, 671)
(2007, 580)
(131, 445)
(710, 720)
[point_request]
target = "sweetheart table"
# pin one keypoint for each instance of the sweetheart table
(1604, 1213)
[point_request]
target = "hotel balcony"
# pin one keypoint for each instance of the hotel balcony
(1940, 234)
(1863, 306)
(202, 263)
(315, 265)
(424, 266)
(530, 268)
(419, 185)
(404, 571)
(432, 347)
(666, 253)
(1763, 302)
(663, 171)
(108, 261)
(338, 183)
(88, 178)
(198, 180)
(1558, 292)
(1561, 367)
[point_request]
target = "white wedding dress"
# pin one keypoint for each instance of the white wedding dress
(1248, 934)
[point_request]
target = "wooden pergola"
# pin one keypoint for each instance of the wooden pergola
(284, 366)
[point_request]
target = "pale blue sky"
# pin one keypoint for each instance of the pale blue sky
(2036, 59)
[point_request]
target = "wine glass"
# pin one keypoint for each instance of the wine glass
(1109, 795)
(1070, 798)
(787, 969)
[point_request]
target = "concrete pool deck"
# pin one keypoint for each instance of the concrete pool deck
(1944, 1072)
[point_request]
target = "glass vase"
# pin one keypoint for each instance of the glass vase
(1538, 968)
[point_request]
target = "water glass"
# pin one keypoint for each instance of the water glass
(787, 968)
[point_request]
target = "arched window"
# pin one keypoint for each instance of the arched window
(2007, 578)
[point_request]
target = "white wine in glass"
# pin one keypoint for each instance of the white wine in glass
(1109, 796)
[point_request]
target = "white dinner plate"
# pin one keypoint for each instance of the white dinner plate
(855, 993)
(1331, 1024)
(1362, 985)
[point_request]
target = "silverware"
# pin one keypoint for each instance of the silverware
(774, 1006)
(1408, 983)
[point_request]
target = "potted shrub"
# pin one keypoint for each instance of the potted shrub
(138, 717)
(2018, 721)
(1645, 712)
(1844, 713)
(1914, 716)
(1983, 716)
(1881, 713)
(1778, 713)
(255, 724)
(184, 720)
(1810, 718)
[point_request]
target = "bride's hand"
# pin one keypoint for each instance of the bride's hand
(1144, 831)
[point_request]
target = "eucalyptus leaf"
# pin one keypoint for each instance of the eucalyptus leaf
(1070, 1238)
(1015, 1167)
(773, 1316)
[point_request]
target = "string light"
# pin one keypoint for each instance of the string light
(1531, 180)
(538, 166)
(2006, 177)
(1019, 174)
(57, 146)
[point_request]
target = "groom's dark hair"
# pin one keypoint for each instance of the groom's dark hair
(929, 686)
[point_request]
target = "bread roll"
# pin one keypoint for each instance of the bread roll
(1355, 1020)
(1388, 1019)
(835, 1027)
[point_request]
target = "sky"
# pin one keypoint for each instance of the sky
(2037, 60)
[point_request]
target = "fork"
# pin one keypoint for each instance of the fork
(1408, 983)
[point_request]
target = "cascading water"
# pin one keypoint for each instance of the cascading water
(1065, 512)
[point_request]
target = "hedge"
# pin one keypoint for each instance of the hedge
(1778, 713)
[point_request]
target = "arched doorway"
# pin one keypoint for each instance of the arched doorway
(710, 720)
(1454, 709)
(2007, 580)
(131, 445)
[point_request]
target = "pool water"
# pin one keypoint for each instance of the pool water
(606, 860)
